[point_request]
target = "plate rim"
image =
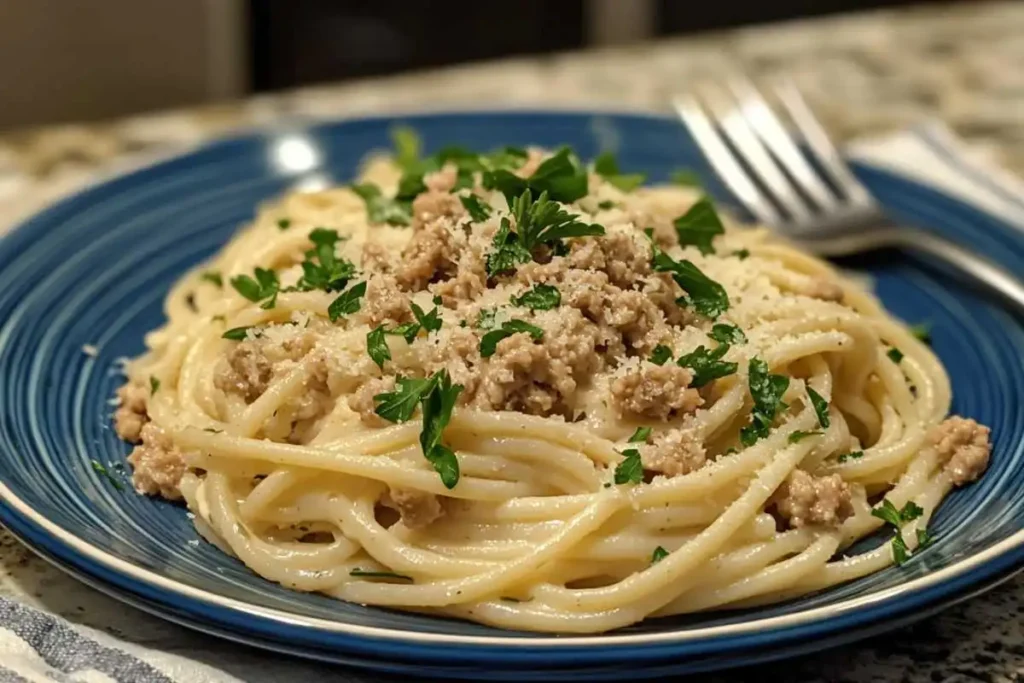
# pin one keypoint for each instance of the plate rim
(72, 549)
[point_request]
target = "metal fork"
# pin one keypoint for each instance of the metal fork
(765, 167)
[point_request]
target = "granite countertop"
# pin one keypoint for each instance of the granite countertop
(863, 73)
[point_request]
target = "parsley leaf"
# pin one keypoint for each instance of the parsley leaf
(381, 209)
(895, 518)
(820, 407)
(507, 251)
(407, 144)
(489, 342)
(658, 555)
(431, 322)
(485, 319)
(924, 539)
(348, 302)
(707, 365)
(699, 226)
(799, 435)
(708, 297)
(407, 330)
(685, 177)
(377, 346)
(284, 223)
(265, 286)
(727, 334)
(560, 176)
(540, 298)
(640, 435)
(630, 470)
(322, 269)
(154, 384)
(607, 167)
(766, 389)
(400, 404)
(537, 223)
(895, 355)
(98, 467)
(236, 333)
(478, 211)
(213, 277)
(363, 574)
(660, 355)
(438, 405)
(742, 254)
(606, 204)
(922, 331)
(853, 455)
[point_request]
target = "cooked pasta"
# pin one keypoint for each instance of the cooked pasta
(509, 388)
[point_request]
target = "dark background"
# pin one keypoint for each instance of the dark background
(297, 42)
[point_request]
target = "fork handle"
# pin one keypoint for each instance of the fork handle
(980, 269)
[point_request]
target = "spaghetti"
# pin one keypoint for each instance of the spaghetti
(511, 389)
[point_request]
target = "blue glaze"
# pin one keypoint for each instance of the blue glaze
(93, 269)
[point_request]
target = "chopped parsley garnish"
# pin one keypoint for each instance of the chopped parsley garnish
(322, 269)
(436, 395)
(377, 346)
(699, 226)
(407, 144)
(348, 302)
(766, 389)
(537, 223)
(742, 254)
(658, 555)
(707, 365)
(540, 298)
(407, 330)
(560, 176)
(660, 355)
(212, 430)
(685, 177)
(607, 167)
(438, 405)
(284, 223)
(98, 467)
(606, 204)
(923, 331)
(727, 334)
(798, 436)
(478, 211)
(236, 333)
(707, 296)
(895, 518)
(485, 320)
(508, 598)
(895, 355)
(154, 384)
(853, 455)
(264, 288)
(820, 407)
(489, 342)
(381, 209)
(640, 435)
(213, 277)
(363, 574)
(431, 322)
(924, 539)
(630, 470)
(400, 404)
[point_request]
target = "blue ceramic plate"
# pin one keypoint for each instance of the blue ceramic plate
(94, 268)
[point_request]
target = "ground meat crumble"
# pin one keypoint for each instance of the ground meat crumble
(805, 500)
(655, 392)
(131, 416)
(158, 464)
(963, 445)
(417, 508)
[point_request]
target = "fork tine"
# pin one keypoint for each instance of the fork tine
(725, 108)
(780, 143)
(722, 160)
(818, 142)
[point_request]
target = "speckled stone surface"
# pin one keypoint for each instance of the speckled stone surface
(863, 74)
